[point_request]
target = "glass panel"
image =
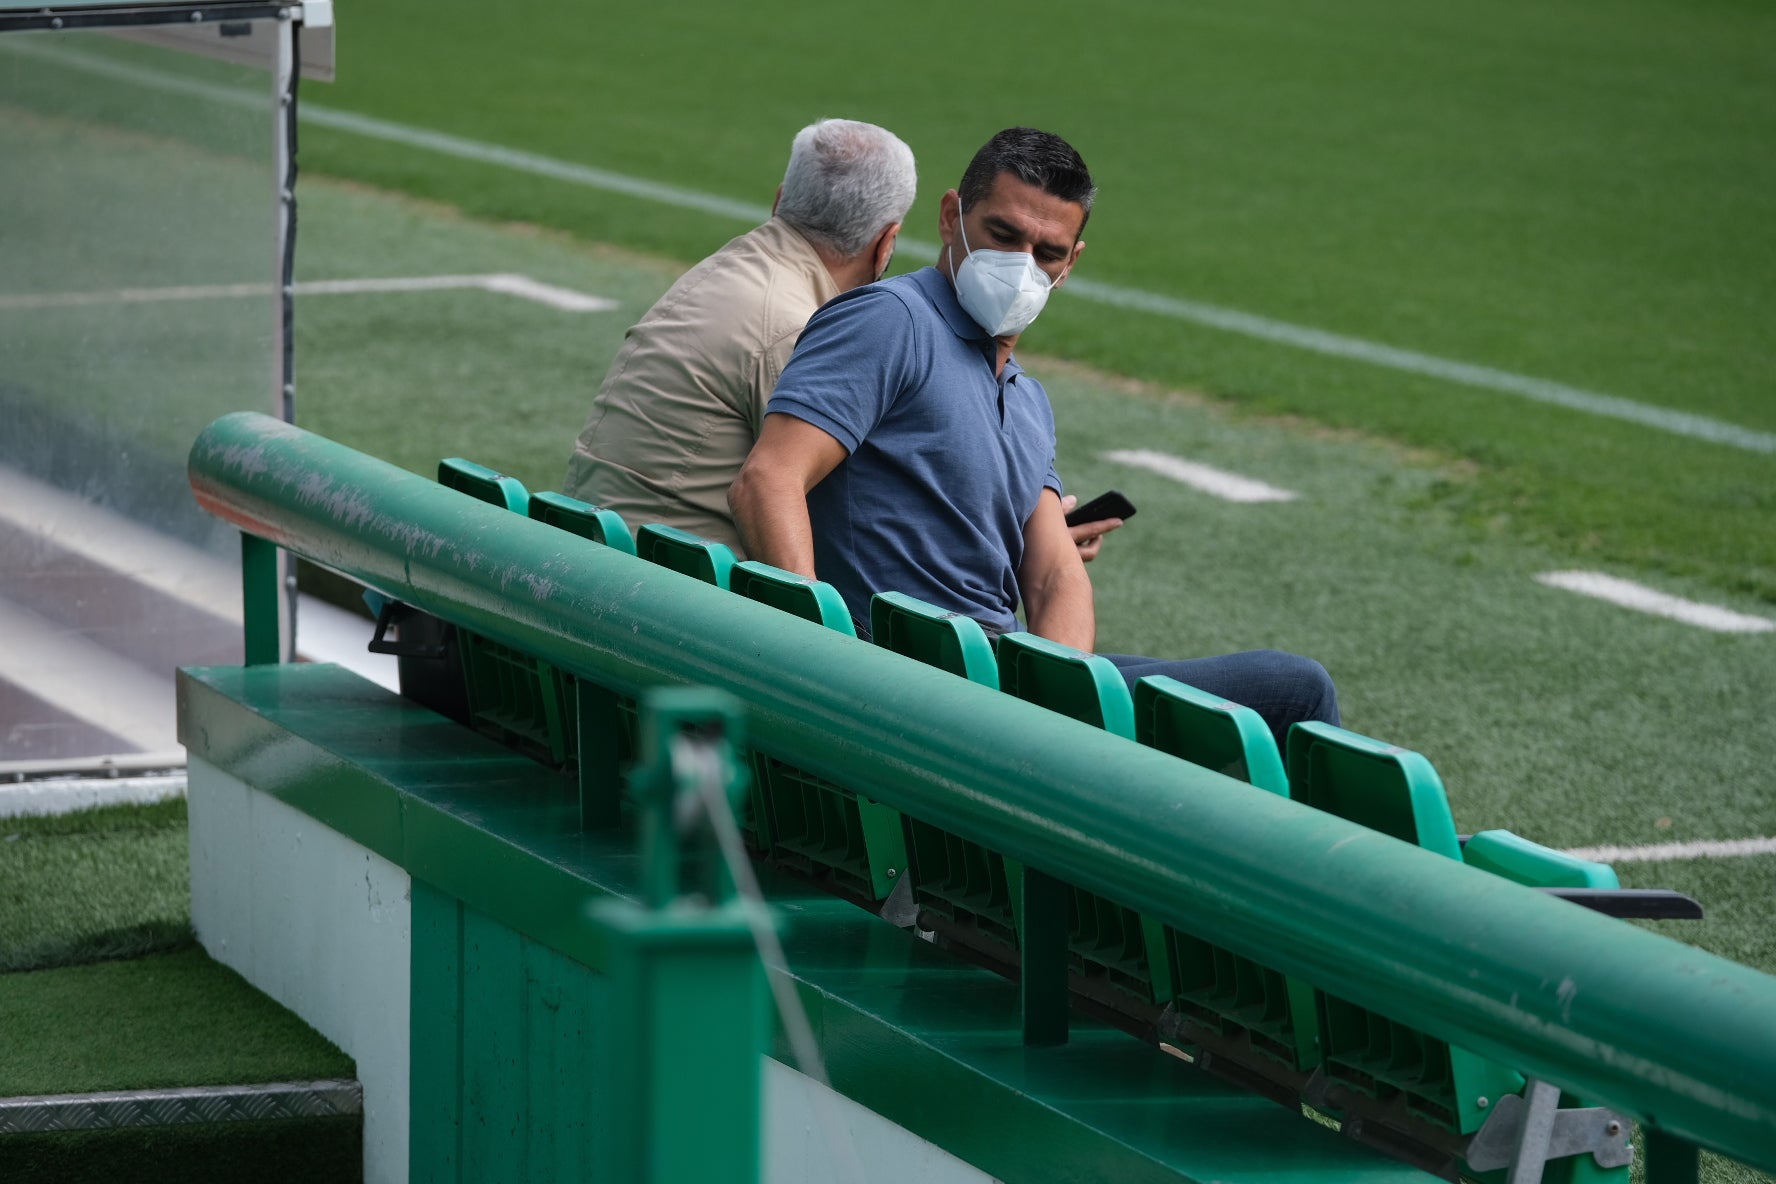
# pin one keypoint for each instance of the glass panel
(137, 303)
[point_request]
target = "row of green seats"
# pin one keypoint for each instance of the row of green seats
(864, 847)
(1252, 1008)
(514, 697)
(805, 822)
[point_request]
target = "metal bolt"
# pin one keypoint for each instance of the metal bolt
(196, 16)
(1482, 1103)
(892, 873)
(1613, 1129)
(56, 23)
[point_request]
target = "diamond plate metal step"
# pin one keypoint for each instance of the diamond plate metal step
(189, 1104)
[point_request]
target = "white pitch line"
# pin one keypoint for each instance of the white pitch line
(1627, 594)
(64, 795)
(504, 284)
(1214, 482)
(1230, 320)
(1659, 853)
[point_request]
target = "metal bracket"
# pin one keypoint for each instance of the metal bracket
(393, 612)
(1523, 1132)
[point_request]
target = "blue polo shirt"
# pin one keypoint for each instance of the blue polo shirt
(946, 461)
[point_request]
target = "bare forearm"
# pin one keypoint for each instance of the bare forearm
(771, 514)
(1062, 610)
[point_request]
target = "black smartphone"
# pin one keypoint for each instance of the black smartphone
(1105, 505)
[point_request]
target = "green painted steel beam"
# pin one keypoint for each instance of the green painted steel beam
(1676, 1037)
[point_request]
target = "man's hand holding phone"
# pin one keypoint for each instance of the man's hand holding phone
(1091, 522)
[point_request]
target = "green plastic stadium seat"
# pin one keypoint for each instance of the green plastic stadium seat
(686, 553)
(926, 633)
(1396, 790)
(583, 519)
(964, 886)
(1208, 730)
(1115, 950)
(1380, 786)
(1246, 1010)
(1516, 858)
(516, 698)
(809, 599)
(817, 827)
(479, 481)
(1066, 680)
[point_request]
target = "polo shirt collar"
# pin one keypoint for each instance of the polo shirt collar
(942, 293)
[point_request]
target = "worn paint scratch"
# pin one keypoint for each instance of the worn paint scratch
(1567, 992)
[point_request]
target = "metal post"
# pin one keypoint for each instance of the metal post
(259, 601)
(1042, 948)
(686, 1012)
(597, 739)
(286, 71)
(1671, 1160)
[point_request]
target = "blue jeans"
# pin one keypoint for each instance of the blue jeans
(1282, 688)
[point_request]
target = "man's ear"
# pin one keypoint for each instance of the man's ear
(949, 211)
(883, 253)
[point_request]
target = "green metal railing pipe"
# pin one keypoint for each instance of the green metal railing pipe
(1676, 1037)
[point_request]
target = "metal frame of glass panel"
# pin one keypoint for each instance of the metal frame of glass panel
(108, 295)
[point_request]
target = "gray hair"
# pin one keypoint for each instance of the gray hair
(846, 181)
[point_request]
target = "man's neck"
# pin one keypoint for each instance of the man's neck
(1004, 345)
(846, 273)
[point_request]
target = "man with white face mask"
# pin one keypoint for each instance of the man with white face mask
(906, 450)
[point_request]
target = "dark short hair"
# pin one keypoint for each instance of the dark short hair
(1034, 157)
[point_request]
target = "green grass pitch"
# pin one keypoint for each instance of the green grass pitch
(1573, 193)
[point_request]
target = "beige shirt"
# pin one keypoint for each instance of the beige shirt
(686, 395)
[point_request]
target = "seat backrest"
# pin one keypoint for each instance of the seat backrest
(934, 636)
(1208, 730)
(807, 598)
(479, 481)
(1381, 786)
(1516, 858)
(1066, 680)
(686, 553)
(583, 519)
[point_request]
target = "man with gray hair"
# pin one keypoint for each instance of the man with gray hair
(684, 399)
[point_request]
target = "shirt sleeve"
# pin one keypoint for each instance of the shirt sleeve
(853, 360)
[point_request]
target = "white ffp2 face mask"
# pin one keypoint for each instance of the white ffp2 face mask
(1002, 290)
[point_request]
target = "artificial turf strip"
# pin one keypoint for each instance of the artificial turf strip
(112, 882)
(175, 1019)
(267, 1151)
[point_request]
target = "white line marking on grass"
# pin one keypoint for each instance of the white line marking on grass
(525, 288)
(1214, 482)
(1541, 390)
(1664, 419)
(504, 284)
(1658, 853)
(65, 795)
(1639, 597)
